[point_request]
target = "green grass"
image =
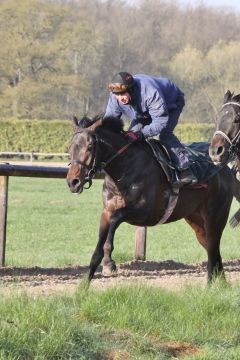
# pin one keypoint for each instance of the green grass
(138, 322)
(49, 226)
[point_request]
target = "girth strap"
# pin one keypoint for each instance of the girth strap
(172, 202)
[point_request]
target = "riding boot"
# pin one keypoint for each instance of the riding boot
(185, 177)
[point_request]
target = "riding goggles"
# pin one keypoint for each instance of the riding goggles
(118, 88)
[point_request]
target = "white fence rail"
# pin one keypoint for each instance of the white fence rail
(7, 170)
(32, 155)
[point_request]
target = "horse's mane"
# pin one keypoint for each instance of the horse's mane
(111, 123)
(85, 122)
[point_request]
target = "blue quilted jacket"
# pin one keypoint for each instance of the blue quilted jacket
(152, 101)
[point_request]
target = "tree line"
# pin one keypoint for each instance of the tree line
(58, 56)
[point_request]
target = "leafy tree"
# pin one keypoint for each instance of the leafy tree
(57, 56)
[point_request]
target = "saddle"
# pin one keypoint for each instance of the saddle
(201, 164)
(162, 156)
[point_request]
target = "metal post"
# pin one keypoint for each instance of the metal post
(3, 216)
(140, 243)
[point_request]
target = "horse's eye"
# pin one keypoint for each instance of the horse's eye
(89, 148)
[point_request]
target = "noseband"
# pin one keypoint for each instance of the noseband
(96, 165)
(233, 149)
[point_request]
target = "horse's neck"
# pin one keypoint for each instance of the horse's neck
(117, 159)
(128, 166)
(108, 148)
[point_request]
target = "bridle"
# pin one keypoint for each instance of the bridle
(233, 149)
(95, 164)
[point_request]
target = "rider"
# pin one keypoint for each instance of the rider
(153, 105)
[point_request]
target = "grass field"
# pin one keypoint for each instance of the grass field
(122, 323)
(49, 226)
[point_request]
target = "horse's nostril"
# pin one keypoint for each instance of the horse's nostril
(75, 182)
(220, 150)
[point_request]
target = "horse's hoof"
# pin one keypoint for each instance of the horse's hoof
(109, 269)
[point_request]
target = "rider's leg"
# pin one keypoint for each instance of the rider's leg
(177, 151)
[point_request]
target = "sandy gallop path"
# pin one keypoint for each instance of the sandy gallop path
(166, 274)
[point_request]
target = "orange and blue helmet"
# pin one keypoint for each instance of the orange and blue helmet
(121, 83)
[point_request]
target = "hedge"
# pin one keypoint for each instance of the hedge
(188, 133)
(53, 136)
(35, 135)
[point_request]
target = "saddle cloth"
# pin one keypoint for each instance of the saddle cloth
(201, 164)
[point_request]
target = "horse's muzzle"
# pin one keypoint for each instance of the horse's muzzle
(75, 185)
(219, 152)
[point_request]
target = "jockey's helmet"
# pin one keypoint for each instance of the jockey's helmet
(121, 83)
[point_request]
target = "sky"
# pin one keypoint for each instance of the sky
(227, 4)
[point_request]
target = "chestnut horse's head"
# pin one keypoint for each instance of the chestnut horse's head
(225, 143)
(82, 154)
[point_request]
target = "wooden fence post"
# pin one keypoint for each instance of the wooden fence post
(3, 216)
(140, 243)
(7, 170)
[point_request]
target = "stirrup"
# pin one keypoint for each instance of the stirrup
(176, 183)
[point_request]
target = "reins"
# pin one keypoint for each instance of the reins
(95, 164)
(235, 141)
(119, 152)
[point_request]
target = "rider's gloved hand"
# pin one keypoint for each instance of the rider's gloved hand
(135, 136)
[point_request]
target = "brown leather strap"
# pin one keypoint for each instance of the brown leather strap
(172, 201)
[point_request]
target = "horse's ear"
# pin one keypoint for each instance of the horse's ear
(75, 123)
(94, 126)
(227, 96)
(236, 98)
(85, 122)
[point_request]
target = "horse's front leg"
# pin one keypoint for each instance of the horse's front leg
(209, 237)
(214, 225)
(125, 214)
(99, 252)
(214, 266)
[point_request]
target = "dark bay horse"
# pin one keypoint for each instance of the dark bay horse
(225, 144)
(136, 191)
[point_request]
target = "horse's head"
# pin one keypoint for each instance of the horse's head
(82, 153)
(225, 141)
(93, 148)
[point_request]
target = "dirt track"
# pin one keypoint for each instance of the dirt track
(166, 274)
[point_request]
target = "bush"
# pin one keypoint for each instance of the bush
(53, 136)
(34, 135)
(188, 133)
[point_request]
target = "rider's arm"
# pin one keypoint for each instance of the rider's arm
(158, 111)
(113, 108)
(135, 125)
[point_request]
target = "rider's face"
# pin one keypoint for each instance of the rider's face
(123, 98)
